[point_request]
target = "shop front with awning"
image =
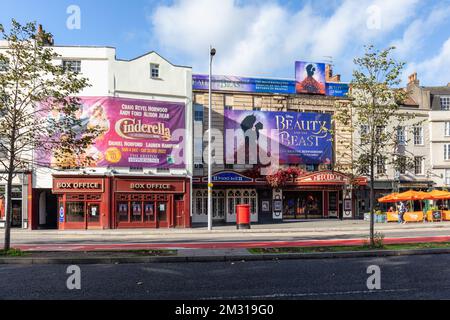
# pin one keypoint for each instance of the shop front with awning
(319, 195)
(315, 195)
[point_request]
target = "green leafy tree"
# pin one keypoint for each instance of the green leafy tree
(374, 117)
(33, 85)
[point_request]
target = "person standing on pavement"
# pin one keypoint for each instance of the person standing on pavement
(401, 212)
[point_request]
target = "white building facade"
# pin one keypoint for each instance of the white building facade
(437, 101)
(149, 82)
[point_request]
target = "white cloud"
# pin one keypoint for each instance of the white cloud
(434, 71)
(262, 38)
(416, 33)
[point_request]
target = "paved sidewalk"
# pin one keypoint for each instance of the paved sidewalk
(224, 243)
(288, 232)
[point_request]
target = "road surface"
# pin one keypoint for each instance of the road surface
(406, 277)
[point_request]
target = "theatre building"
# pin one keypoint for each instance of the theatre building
(320, 187)
(143, 158)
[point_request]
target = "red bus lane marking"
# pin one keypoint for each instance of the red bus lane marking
(219, 245)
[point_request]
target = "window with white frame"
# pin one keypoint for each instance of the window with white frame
(380, 130)
(72, 65)
(447, 151)
(154, 70)
(402, 165)
(381, 168)
(242, 196)
(401, 135)
(447, 177)
(3, 66)
(257, 103)
(364, 131)
(198, 112)
(418, 165)
(418, 135)
(445, 103)
(447, 128)
(228, 102)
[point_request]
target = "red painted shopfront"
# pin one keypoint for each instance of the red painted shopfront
(104, 202)
(156, 203)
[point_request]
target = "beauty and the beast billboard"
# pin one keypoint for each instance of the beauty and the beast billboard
(304, 138)
(134, 133)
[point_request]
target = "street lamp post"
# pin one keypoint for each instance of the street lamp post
(211, 56)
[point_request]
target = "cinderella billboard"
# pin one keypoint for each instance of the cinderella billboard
(134, 133)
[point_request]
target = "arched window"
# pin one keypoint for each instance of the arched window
(241, 196)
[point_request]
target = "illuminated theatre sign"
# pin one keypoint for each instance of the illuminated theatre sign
(303, 138)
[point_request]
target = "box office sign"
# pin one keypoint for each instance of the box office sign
(133, 133)
(150, 186)
(77, 185)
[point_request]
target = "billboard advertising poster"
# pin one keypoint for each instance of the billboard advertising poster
(241, 84)
(134, 133)
(310, 77)
(304, 138)
(337, 89)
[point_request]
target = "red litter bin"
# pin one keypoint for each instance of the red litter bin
(243, 216)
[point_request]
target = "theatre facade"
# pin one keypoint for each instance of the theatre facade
(313, 195)
(149, 169)
(142, 168)
(299, 115)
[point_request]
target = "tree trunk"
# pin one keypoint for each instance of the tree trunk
(8, 212)
(372, 202)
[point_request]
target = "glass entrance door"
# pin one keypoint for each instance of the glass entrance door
(93, 215)
(149, 212)
(162, 214)
(333, 208)
(16, 219)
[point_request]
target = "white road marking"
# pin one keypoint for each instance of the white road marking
(312, 294)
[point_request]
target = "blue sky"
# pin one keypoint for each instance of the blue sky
(255, 37)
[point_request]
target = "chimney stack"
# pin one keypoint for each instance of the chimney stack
(329, 77)
(412, 79)
(46, 39)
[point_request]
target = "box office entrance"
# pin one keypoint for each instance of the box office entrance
(143, 210)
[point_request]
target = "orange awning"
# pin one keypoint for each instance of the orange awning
(410, 195)
(388, 198)
(438, 195)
